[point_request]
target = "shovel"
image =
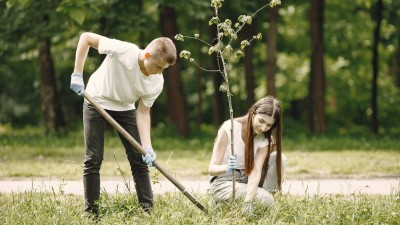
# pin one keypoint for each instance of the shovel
(136, 145)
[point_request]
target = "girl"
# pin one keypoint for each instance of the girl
(258, 168)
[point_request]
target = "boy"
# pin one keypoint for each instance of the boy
(126, 75)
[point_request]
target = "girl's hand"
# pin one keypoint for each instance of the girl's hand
(248, 208)
(232, 164)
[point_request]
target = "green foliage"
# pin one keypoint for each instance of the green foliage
(347, 35)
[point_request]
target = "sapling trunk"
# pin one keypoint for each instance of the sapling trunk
(229, 95)
(225, 74)
(232, 140)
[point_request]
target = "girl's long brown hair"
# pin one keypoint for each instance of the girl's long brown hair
(271, 107)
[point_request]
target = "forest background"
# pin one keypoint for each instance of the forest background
(334, 64)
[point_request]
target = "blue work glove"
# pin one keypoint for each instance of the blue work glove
(150, 156)
(77, 84)
(232, 164)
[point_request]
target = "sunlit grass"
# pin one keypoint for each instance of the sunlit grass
(173, 208)
(29, 153)
(355, 164)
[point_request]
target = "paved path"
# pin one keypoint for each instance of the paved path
(295, 187)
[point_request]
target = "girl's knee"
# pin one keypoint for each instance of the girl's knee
(284, 159)
(272, 158)
(265, 197)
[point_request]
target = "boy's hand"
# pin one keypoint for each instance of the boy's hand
(150, 156)
(232, 164)
(77, 84)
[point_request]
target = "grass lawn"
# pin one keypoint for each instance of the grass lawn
(28, 153)
(174, 208)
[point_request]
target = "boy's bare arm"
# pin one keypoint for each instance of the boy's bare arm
(143, 123)
(86, 40)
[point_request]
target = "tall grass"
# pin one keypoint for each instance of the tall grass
(173, 208)
(27, 152)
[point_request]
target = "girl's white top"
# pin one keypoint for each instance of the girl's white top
(118, 83)
(259, 142)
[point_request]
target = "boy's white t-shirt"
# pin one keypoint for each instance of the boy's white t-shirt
(259, 142)
(118, 83)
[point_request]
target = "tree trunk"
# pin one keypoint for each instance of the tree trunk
(317, 76)
(200, 84)
(397, 62)
(218, 103)
(139, 9)
(248, 32)
(172, 75)
(200, 91)
(52, 114)
(377, 15)
(271, 50)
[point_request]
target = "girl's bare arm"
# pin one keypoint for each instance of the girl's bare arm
(215, 168)
(255, 175)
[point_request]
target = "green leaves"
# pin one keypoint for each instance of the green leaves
(185, 54)
(214, 20)
(216, 3)
(244, 43)
(239, 54)
(77, 15)
(77, 11)
(227, 33)
(274, 3)
(227, 30)
(213, 49)
(21, 2)
(245, 19)
(223, 88)
(179, 37)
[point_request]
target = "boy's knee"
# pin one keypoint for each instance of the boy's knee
(93, 165)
